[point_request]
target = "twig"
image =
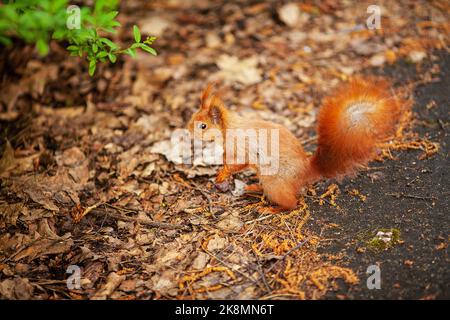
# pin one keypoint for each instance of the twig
(404, 195)
(298, 246)
(442, 125)
(259, 219)
(262, 274)
(77, 217)
(197, 187)
(263, 277)
(374, 168)
(231, 268)
(411, 182)
(318, 198)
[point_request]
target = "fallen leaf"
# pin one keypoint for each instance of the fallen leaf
(128, 285)
(7, 159)
(44, 247)
(291, 15)
(200, 261)
(72, 157)
(165, 283)
(18, 288)
(216, 243)
(154, 25)
(244, 71)
(230, 223)
(112, 282)
(417, 56)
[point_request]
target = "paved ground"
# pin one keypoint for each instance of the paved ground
(418, 267)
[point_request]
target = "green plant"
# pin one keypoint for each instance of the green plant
(42, 20)
(383, 239)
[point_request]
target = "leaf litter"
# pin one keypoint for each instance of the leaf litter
(92, 181)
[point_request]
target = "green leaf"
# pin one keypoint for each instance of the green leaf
(9, 12)
(42, 47)
(110, 15)
(59, 34)
(57, 5)
(104, 19)
(72, 48)
(137, 33)
(131, 52)
(109, 43)
(92, 66)
(112, 57)
(115, 24)
(39, 22)
(102, 54)
(149, 50)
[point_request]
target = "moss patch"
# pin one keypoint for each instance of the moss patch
(383, 239)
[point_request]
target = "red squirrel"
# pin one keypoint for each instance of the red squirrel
(351, 122)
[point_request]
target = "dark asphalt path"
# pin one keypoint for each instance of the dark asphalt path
(419, 266)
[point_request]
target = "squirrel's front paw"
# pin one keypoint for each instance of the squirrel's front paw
(223, 186)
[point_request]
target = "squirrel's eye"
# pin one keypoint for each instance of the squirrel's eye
(202, 126)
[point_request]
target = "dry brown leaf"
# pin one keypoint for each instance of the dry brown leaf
(112, 282)
(7, 159)
(243, 71)
(17, 288)
(44, 247)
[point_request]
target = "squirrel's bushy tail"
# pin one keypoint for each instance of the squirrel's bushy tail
(351, 122)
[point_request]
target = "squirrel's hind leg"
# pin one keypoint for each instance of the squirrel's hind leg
(280, 192)
(271, 210)
(285, 200)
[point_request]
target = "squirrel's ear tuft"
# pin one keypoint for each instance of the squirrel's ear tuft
(205, 104)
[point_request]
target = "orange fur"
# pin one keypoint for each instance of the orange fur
(350, 123)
